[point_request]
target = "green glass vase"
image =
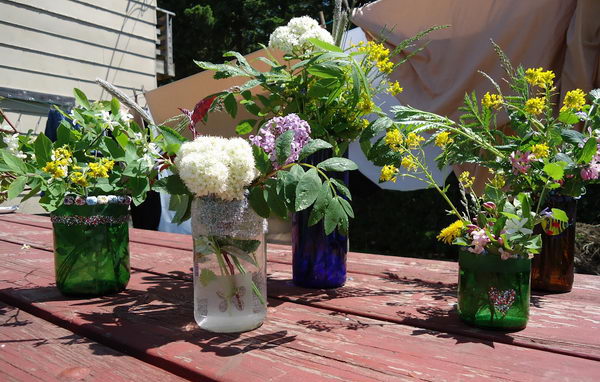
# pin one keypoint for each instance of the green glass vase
(91, 248)
(494, 293)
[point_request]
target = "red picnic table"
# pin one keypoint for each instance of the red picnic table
(394, 320)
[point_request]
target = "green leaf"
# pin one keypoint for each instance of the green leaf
(42, 147)
(14, 163)
(375, 128)
(312, 147)
(510, 215)
(81, 98)
(206, 276)
(181, 204)
(572, 136)
(116, 152)
(171, 184)
(326, 70)
(245, 127)
(230, 104)
(115, 106)
(276, 201)
(252, 107)
(262, 160)
(560, 215)
(588, 151)
(337, 164)
(258, 202)
(334, 214)
(16, 187)
(283, 146)
(289, 182)
(554, 170)
(325, 45)
(307, 189)
(172, 138)
(341, 187)
(347, 207)
(63, 134)
(318, 211)
(568, 117)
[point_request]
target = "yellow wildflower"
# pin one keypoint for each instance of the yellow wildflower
(56, 169)
(364, 123)
(62, 156)
(374, 51)
(365, 105)
(109, 164)
(98, 170)
(539, 77)
(574, 99)
(413, 140)
(498, 181)
(535, 106)
(385, 66)
(79, 178)
(443, 138)
(388, 172)
(394, 139)
(466, 179)
(409, 163)
(395, 88)
(492, 101)
(540, 150)
(448, 234)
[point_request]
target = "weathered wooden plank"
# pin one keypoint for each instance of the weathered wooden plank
(586, 287)
(34, 349)
(154, 317)
(415, 295)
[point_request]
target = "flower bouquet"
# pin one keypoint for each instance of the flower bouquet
(547, 151)
(307, 109)
(495, 232)
(101, 162)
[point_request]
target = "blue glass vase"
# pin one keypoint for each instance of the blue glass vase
(319, 260)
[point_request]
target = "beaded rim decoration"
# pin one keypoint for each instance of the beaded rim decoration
(89, 220)
(94, 200)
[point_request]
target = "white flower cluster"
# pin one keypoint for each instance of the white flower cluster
(294, 36)
(12, 143)
(216, 166)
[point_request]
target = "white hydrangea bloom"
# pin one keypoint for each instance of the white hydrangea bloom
(294, 36)
(217, 166)
(303, 24)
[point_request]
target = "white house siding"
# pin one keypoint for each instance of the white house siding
(49, 47)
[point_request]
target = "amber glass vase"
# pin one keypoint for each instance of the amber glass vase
(493, 293)
(552, 269)
(91, 248)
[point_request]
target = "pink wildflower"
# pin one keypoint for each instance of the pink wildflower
(521, 162)
(480, 239)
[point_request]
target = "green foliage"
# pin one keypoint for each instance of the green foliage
(107, 154)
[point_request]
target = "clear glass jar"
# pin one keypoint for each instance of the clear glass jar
(230, 288)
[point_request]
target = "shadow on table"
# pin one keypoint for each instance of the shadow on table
(163, 314)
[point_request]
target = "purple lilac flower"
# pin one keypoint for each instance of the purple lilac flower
(268, 134)
(521, 161)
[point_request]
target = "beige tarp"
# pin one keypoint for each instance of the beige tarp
(562, 35)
